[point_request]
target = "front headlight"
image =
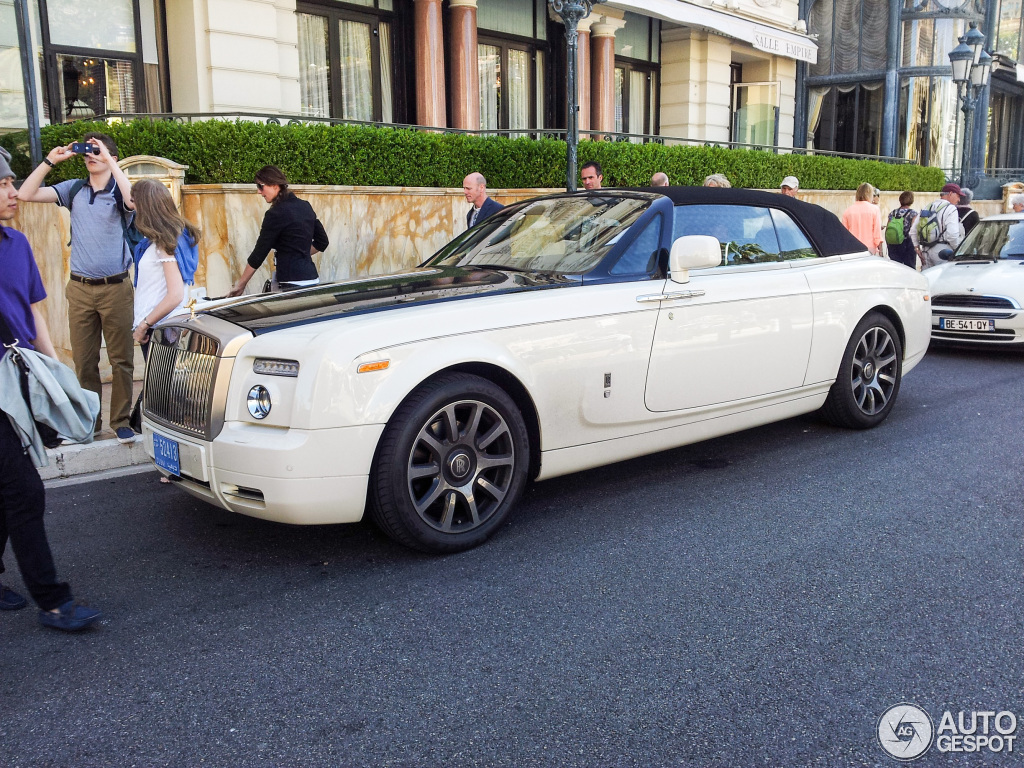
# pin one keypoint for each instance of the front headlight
(258, 402)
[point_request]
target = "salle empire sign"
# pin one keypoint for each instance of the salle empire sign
(769, 43)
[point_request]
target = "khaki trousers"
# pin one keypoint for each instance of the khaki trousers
(104, 312)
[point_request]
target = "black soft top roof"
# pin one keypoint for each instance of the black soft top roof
(822, 227)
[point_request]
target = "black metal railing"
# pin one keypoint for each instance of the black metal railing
(514, 133)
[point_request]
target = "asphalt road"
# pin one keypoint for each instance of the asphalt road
(759, 599)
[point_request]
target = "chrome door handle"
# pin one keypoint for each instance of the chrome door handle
(670, 296)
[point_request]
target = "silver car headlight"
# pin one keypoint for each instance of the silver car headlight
(258, 402)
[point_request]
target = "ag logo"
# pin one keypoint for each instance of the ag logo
(905, 731)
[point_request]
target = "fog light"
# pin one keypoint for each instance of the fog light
(258, 402)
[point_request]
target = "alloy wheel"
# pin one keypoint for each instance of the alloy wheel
(461, 466)
(875, 370)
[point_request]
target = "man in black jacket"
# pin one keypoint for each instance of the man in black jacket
(474, 187)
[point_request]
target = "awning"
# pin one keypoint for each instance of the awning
(781, 42)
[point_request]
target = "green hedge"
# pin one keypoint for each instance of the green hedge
(218, 152)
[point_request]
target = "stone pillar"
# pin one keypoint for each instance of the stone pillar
(465, 75)
(602, 108)
(583, 72)
(429, 58)
(695, 93)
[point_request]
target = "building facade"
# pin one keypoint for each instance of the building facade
(715, 70)
(882, 84)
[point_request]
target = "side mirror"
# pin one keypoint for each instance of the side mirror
(946, 254)
(693, 252)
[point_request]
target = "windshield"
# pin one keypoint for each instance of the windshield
(1000, 239)
(568, 235)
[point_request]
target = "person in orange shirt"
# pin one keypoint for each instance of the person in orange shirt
(864, 219)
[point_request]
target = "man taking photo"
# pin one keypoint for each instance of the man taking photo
(99, 294)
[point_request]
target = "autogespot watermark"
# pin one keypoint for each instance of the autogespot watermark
(906, 731)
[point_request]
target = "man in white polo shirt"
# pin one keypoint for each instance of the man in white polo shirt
(100, 297)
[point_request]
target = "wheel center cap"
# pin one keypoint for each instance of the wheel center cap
(869, 370)
(459, 464)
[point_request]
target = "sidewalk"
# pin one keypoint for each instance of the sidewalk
(102, 454)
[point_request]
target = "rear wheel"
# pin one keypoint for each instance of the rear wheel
(452, 463)
(869, 377)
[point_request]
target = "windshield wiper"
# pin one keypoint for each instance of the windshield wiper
(502, 267)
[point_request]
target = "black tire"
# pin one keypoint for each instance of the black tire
(451, 464)
(869, 376)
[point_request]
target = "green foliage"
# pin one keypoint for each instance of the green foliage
(222, 152)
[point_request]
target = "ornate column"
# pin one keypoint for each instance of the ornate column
(465, 76)
(602, 63)
(583, 72)
(429, 57)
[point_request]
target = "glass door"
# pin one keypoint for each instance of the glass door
(755, 114)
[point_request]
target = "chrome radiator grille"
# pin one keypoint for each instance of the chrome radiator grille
(180, 376)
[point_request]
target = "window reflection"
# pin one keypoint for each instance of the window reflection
(107, 26)
(749, 235)
(91, 86)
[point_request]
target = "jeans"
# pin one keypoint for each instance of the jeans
(22, 503)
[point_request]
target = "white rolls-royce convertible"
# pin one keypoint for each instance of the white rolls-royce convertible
(563, 333)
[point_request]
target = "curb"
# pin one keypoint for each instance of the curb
(72, 460)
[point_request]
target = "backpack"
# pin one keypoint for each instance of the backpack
(186, 253)
(895, 233)
(132, 237)
(929, 224)
(897, 226)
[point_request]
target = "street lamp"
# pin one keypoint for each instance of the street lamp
(571, 13)
(972, 67)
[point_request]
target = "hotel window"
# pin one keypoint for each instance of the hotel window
(1008, 30)
(637, 56)
(927, 121)
(511, 55)
(92, 69)
(846, 89)
(346, 61)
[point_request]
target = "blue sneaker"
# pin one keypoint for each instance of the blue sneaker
(70, 617)
(125, 435)
(11, 600)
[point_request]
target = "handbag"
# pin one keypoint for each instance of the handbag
(59, 406)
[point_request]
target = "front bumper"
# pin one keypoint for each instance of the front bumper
(1007, 326)
(303, 477)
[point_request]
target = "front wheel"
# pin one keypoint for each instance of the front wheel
(452, 462)
(869, 376)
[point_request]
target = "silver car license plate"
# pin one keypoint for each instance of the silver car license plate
(966, 324)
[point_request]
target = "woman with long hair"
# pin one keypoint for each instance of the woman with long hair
(160, 282)
(291, 229)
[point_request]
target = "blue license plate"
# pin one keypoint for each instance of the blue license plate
(165, 453)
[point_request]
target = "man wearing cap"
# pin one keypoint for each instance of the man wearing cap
(100, 297)
(789, 186)
(949, 233)
(22, 497)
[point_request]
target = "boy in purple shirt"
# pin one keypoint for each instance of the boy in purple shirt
(22, 497)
